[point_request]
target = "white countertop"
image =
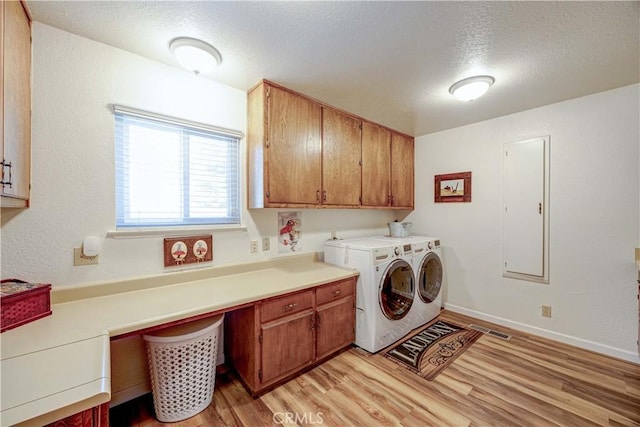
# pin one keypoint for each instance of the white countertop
(59, 365)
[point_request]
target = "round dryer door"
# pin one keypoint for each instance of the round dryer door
(397, 289)
(430, 277)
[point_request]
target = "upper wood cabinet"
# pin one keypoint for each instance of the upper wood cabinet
(402, 171)
(302, 153)
(387, 168)
(15, 69)
(341, 170)
(376, 164)
(285, 148)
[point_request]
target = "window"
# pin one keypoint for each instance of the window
(171, 172)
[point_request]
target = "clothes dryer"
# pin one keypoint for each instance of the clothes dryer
(429, 273)
(385, 290)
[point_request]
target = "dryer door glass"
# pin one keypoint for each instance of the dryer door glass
(397, 289)
(430, 277)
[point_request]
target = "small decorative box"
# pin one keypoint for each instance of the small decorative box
(23, 302)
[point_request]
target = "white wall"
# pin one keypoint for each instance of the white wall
(74, 82)
(594, 220)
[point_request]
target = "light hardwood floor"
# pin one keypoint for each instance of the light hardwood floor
(527, 381)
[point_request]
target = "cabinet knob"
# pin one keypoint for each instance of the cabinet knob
(337, 292)
(290, 307)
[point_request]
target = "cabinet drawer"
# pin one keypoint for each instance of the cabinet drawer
(334, 291)
(289, 304)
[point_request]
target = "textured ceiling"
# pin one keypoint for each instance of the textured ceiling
(390, 62)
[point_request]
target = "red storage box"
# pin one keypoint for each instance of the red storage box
(23, 302)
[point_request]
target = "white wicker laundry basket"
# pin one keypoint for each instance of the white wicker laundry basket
(182, 363)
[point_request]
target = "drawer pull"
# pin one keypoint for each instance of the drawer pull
(337, 292)
(289, 307)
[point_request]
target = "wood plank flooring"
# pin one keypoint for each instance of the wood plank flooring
(527, 381)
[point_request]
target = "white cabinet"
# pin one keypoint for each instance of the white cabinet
(526, 210)
(15, 69)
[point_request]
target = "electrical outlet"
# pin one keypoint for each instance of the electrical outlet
(253, 246)
(546, 311)
(266, 244)
(79, 259)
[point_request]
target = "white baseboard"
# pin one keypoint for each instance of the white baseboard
(618, 353)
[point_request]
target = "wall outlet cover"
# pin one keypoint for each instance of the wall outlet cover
(79, 259)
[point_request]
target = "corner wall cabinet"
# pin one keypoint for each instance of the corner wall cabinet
(15, 69)
(277, 338)
(303, 153)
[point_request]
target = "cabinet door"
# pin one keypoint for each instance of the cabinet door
(2, 30)
(402, 166)
(525, 214)
(287, 345)
(335, 326)
(294, 148)
(17, 99)
(376, 156)
(341, 179)
(94, 417)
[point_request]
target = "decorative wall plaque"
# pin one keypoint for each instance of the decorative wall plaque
(452, 187)
(187, 250)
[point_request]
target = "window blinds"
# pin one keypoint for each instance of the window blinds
(171, 172)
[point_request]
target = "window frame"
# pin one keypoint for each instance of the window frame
(189, 128)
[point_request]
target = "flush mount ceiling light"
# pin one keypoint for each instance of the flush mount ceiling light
(195, 55)
(471, 88)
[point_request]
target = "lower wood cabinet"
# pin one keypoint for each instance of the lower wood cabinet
(277, 338)
(287, 345)
(94, 417)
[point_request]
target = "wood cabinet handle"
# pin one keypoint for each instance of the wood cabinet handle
(313, 323)
(317, 320)
(317, 195)
(337, 292)
(324, 195)
(289, 307)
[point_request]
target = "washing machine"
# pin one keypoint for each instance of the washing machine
(385, 290)
(429, 273)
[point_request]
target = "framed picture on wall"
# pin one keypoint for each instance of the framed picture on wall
(452, 187)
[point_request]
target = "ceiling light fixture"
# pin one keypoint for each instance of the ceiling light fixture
(195, 55)
(471, 88)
